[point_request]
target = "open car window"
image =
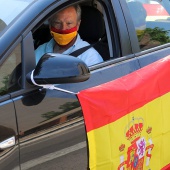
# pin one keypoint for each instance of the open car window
(92, 29)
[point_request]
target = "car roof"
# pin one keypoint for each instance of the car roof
(13, 27)
(14, 9)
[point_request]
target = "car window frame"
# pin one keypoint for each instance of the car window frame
(112, 26)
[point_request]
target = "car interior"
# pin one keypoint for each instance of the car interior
(92, 29)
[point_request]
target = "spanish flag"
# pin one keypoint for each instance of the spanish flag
(128, 120)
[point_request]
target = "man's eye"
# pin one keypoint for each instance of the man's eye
(56, 23)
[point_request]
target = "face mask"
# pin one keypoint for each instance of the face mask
(63, 37)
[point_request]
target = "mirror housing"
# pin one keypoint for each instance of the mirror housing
(57, 69)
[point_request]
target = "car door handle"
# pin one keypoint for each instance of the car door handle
(7, 143)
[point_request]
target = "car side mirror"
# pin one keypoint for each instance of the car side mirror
(57, 69)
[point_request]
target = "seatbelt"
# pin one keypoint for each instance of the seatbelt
(80, 50)
(83, 49)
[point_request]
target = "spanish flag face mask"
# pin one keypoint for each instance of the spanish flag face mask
(63, 37)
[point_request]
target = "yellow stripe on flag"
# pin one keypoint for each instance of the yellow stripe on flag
(105, 142)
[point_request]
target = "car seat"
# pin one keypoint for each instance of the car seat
(41, 35)
(92, 29)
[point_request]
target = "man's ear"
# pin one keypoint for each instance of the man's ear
(50, 31)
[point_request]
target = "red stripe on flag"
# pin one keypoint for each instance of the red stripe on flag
(167, 167)
(118, 97)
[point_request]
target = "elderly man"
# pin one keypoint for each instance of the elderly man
(64, 27)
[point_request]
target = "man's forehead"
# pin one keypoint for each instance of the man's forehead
(69, 11)
(64, 16)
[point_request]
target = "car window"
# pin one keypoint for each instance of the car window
(152, 22)
(14, 8)
(10, 72)
(90, 15)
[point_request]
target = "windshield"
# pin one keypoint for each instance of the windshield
(10, 9)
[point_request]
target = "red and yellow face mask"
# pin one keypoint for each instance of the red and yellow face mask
(63, 37)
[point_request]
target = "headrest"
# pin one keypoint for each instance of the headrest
(92, 25)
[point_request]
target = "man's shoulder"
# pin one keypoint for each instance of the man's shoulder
(80, 43)
(46, 45)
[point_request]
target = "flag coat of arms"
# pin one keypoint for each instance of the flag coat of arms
(128, 120)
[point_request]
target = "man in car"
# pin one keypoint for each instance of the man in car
(64, 27)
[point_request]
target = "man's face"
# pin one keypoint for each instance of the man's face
(66, 19)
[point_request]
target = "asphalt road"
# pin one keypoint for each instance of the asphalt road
(63, 150)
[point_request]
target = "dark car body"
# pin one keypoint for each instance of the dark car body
(44, 128)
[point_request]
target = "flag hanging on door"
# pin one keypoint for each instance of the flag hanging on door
(128, 120)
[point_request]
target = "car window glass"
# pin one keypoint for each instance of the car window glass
(10, 72)
(10, 9)
(152, 22)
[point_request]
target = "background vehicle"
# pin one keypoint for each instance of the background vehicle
(43, 128)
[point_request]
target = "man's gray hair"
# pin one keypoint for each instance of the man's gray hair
(78, 11)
